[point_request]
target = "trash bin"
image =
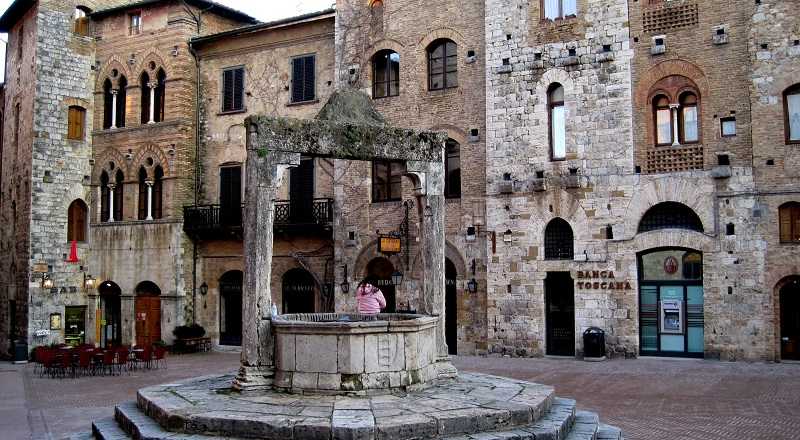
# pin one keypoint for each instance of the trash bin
(20, 352)
(594, 343)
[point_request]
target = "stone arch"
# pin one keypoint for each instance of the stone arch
(367, 254)
(455, 133)
(451, 253)
(102, 161)
(75, 102)
(105, 73)
(566, 206)
(664, 69)
(159, 62)
(670, 189)
(785, 278)
(672, 238)
(445, 33)
(158, 156)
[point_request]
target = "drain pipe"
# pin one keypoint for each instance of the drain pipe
(196, 172)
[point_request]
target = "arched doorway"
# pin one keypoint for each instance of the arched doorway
(790, 319)
(147, 311)
(671, 302)
(230, 308)
(298, 292)
(382, 269)
(110, 314)
(451, 307)
(559, 292)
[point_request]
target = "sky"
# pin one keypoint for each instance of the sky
(264, 10)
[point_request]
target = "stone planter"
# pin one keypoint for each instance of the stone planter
(353, 353)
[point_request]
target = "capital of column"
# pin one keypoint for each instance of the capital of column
(152, 84)
(674, 106)
(111, 186)
(149, 182)
(114, 92)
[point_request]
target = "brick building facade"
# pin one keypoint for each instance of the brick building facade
(628, 165)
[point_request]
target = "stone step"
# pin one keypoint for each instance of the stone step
(585, 427)
(556, 424)
(130, 422)
(608, 432)
(108, 429)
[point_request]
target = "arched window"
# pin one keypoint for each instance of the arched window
(122, 100)
(77, 215)
(676, 111)
(81, 21)
(689, 127)
(76, 120)
(692, 264)
(108, 104)
(452, 182)
(442, 65)
(119, 195)
(670, 215)
(663, 120)
(144, 84)
(558, 240)
(558, 123)
(385, 74)
(105, 195)
(160, 95)
(143, 196)
(789, 217)
(158, 191)
(791, 103)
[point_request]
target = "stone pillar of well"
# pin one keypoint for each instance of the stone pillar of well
(429, 188)
(264, 171)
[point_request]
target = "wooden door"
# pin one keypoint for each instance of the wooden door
(790, 321)
(148, 320)
(301, 192)
(230, 196)
(560, 314)
(451, 308)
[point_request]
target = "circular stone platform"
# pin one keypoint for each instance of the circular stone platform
(473, 403)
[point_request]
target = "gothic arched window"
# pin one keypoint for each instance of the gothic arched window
(558, 240)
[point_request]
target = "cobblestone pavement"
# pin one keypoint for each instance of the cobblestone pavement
(647, 398)
(652, 399)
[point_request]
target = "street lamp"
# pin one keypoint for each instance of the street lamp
(204, 289)
(472, 286)
(47, 282)
(88, 281)
(397, 278)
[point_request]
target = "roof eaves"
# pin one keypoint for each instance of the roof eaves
(312, 16)
(217, 7)
(14, 12)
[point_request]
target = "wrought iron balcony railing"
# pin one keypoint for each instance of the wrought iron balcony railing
(218, 222)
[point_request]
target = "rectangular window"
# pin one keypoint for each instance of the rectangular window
(690, 131)
(386, 183)
(789, 216)
(135, 22)
(554, 9)
(728, 127)
(558, 128)
(303, 78)
(233, 89)
(75, 122)
(793, 110)
(664, 126)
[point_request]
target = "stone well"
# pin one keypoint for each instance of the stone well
(354, 353)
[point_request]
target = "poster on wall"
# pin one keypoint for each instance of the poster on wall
(55, 321)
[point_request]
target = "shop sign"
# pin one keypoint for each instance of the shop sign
(670, 265)
(600, 280)
(389, 245)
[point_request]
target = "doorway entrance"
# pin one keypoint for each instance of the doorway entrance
(450, 307)
(301, 192)
(110, 314)
(381, 269)
(75, 325)
(230, 195)
(298, 292)
(671, 303)
(790, 320)
(230, 308)
(559, 295)
(147, 310)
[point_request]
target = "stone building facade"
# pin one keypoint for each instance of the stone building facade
(627, 165)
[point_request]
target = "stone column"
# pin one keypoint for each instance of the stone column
(149, 184)
(111, 187)
(263, 172)
(674, 109)
(153, 86)
(430, 194)
(114, 109)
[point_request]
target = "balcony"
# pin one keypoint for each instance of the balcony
(211, 222)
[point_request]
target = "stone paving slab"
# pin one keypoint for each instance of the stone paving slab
(471, 404)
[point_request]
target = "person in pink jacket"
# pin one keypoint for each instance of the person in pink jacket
(370, 298)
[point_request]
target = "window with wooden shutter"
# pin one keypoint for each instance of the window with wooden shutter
(789, 217)
(76, 221)
(303, 78)
(81, 22)
(233, 89)
(75, 121)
